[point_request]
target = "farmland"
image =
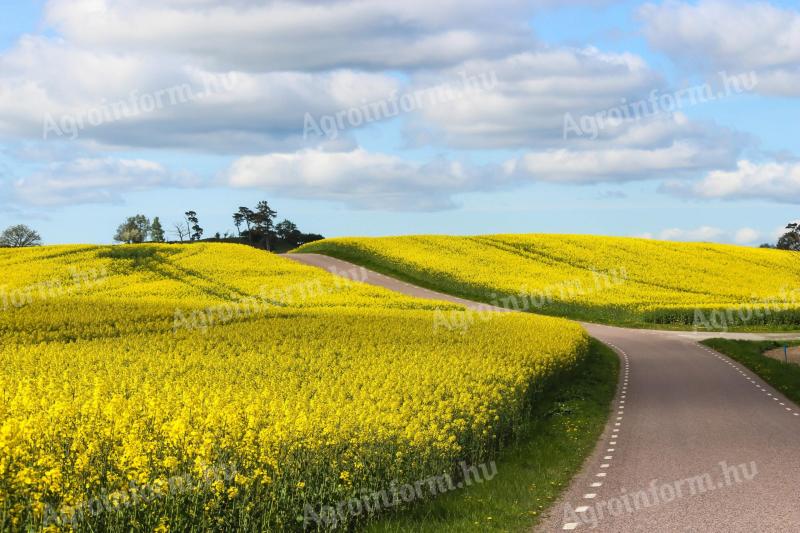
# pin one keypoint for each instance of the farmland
(215, 386)
(613, 280)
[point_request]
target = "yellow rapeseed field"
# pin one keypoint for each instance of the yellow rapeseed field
(607, 279)
(212, 386)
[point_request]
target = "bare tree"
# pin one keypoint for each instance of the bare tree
(180, 231)
(19, 236)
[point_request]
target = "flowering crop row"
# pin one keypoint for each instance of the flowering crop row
(652, 281)
(320, 396)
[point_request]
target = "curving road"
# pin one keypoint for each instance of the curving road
(695, 442)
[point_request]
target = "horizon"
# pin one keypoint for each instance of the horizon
(211, 240)
(630, 119)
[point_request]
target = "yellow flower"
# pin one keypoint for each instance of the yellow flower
(272, 377)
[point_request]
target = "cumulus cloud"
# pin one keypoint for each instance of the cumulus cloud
(363, 179)
(680, 157)
(773, 181)
(359, 178)
(746, 236)
(302, 35)
(94, 181)
(49, 88)
(291, 60)
(703, 233)
(533, 93)
(742, 236)
(733, 36)
(288, 58)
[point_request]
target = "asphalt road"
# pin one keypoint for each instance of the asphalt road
(694, 443)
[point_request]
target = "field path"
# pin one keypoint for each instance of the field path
(695, 442)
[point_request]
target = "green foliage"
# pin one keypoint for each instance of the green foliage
(193, 225)
(134, 230)
(156, 231)
(785, 377)
(560, 432)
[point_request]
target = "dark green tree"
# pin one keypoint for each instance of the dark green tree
(791, 239)
(156, 231)
(287, 231)
(246, 215)
(193, 226)
(264, 224)
(238, 220)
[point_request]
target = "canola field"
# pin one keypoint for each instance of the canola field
(217, 387)
(614, 280)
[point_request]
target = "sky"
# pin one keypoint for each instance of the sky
(671, 120)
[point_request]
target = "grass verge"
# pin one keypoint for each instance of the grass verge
(538, 465)
(785, 377)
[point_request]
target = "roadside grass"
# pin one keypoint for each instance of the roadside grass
(785, 377)
(535, 468)
(735, 328)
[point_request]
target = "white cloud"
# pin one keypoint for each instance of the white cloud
(359, 178)
(746, 236)
(321, 58)
(94, 181)
(526, 109)
(742, 236)
(42, 80)
(370, 180)
(702, 233)
(778, 232)
(534, 91)
(735, 36)
(301, 35)
(778, 182)
(363, 179)
(620, 164)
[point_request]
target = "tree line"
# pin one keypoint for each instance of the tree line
(789, 240)
(256, 227)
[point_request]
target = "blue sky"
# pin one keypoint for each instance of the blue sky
(495, 159)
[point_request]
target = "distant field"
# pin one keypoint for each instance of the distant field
(217, 387)
(603, 279)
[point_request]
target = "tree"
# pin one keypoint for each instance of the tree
(180, 231)
(238, 220)
(264, 218)
(193, 226)
(287, 231)
(134, 230)
(246, 215)
(309, 237)
(19, 236)
(156, 231)
(791, 239)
